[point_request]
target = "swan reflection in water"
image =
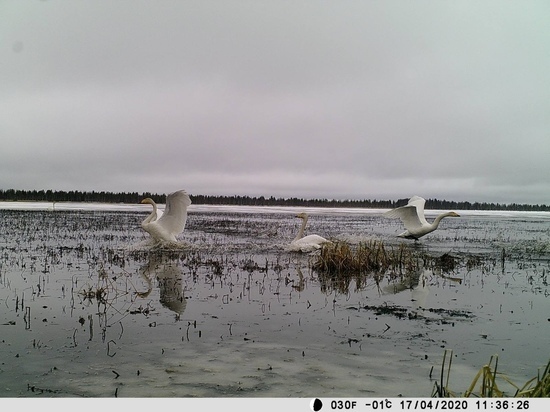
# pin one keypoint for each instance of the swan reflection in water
(420, 292)
(169, 280)
(417, 283)
(300, 285)
(419, 286)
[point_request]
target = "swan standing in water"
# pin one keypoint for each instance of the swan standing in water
(307, 243)
(412, 216)
(172, 221)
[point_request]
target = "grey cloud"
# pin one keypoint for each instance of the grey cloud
(321, 99)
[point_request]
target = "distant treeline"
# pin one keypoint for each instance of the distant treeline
(135, 197)
(366, 203)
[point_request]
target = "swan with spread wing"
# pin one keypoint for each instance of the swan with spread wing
(172, 221)
(412, 216)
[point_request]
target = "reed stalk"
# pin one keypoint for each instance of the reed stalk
(484, 384)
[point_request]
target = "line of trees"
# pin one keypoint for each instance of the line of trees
(365, 203)
(135, 197)
(75, 196)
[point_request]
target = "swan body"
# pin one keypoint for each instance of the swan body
(172, 221)
(412, 216)
(307, 243)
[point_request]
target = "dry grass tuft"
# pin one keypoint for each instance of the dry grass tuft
(339, 264)
(485, 385)
(340, 258)
(537, 387)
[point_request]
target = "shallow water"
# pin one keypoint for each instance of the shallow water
(86, 312)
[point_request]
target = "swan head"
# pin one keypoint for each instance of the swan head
(301, 215)
(453, 214)
(148, 200)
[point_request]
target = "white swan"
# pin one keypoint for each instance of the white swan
(412, 216)
(172, 221)
(307, 243)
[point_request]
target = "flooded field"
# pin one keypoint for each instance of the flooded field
(87, 311)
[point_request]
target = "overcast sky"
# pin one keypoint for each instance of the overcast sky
(331, 99)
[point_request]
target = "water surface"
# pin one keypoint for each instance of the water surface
(236, 314)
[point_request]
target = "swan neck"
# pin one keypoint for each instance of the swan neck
(302, 229)
(436, 221)
(153, 216)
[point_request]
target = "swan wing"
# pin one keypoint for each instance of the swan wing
(308, 243)
(313, 240)
(174, 217)
(412, 215)
(419, 203)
